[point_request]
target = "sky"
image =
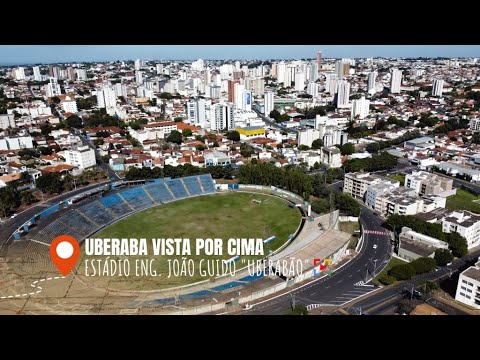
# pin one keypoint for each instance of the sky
(30, 54)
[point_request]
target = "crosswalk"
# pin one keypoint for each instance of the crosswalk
(376, 232)
(362, 283)
(313, 306)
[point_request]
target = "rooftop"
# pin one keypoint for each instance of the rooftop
(417, 248)
(472, 272)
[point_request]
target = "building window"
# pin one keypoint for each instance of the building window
(468, 290)
(468, 297)
(464, 281)
(470, 284)
(463, 288)
(462, 294)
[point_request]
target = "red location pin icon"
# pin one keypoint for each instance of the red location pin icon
(64, 252)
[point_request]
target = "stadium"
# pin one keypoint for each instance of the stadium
(188, 207)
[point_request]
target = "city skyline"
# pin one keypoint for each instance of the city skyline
(32, 54)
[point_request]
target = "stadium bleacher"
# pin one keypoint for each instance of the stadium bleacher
(97, 212)
(192, 185)
(207, 183)
(137, 198)
(177, 188)
(159, 192)
(79, 223)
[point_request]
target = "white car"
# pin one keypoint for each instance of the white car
(375, 246)
(13, 216)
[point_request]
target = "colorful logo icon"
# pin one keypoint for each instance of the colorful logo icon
(64, 252)
(323, 265)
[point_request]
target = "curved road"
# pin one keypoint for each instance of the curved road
(344, 285)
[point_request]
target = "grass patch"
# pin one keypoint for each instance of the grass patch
(224, 216)
(397, 177)
(349, 227)
(393, 262)
(463, 200)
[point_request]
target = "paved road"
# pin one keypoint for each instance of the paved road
(390, 296)
(345, 284)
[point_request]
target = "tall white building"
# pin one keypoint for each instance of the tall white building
(6, 121)
(437, 88)
(139, 77)
(312, 89)
(468, 288)
(247, 100)
(83, 157)
(106, 97)
(198, 65)
(331, 83)
(138, 64)
(360, 108)
(69, 105)
(464, 223)
(19, 73)
(37, 76)
(224, 117)
(395, 81)
(159, 69)
(196, 112)
(269, 103)
(238, 99)
(81, 74)
(475, 124)
(299, 81)
(52, 88)
(308, 136)
(343, 94)
(372, 76)
(120, 90)
(281, 68)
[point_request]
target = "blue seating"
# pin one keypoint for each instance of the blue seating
(120, 209)
(177, 188)
(192, 185)
(227, 286)
(97, 213)
(49, 211)
(159, 192)
(207, 183)
(54, 229)
(78, 223)
(110, 200)
(137, 198)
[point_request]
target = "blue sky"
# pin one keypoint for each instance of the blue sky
(27, 54)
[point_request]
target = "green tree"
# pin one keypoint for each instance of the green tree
(321, 206)
(175, 137)
(423, 265)
(73, 121)
(186, 132)
(386, 279)
(317, 165)
(457, 244)
(347, 204)
(27, 197)
(303, 148)
(233, 135)
(178, 119)
(428, 286)
(9, 200)
(347, 149)
(44, 150)
(50, 183)
(274, 114)
(402, 272)
(298, 310)
(443, 257)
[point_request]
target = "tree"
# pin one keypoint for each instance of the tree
(175, 137)
(233, 135)
(98, 142)
(428, 286)
(27, 197)
(317, 144)
(457, 244)
(50, 183)
(178, 119)
(402, 272)
(321, 206)
(423, 265)
(9, 200)
(74, 121)
(274, 114)
(443, 257)
(186, 132)
(347, 149)
(215, 144)
(298, 310)
(303, 147)
(347, 204)
(387, 279)
(317, 165)
(44, 150)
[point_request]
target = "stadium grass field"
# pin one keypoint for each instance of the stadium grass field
(225, 215)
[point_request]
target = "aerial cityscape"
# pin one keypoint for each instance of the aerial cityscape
(301, 185)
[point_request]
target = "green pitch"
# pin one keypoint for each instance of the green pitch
(226, 215)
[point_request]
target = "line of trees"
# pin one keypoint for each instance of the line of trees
(217, 172)
(383, 161)
(379, 145)
(407, 271)
(288, 178)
